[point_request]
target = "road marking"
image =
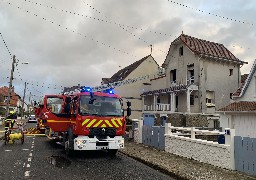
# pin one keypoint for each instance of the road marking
(33, 135)
(25, 149)
(32, 147)
(27, 173)
(8, 150)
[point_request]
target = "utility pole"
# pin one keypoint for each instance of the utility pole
(23, 99)
(10, 87)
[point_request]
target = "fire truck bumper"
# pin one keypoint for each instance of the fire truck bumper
(86, 143)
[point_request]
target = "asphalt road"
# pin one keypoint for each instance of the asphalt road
(40, 158)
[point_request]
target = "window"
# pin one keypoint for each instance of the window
(5, 98)
(181, 51)
(216, 124)
(192, 99)
(158, 100)
(230, 72)
(210, 99)
(230, 95)
(173, 76)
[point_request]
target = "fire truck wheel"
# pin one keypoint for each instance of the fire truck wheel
(6, 137)
(112, 152)
(69, 143)
(22, 138)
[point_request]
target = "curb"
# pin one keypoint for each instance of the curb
(157, 167)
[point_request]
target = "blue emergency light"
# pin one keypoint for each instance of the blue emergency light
(109, 91)
(86, 89)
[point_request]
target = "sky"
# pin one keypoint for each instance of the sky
(80, 42)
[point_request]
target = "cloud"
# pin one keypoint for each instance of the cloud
(109, 35)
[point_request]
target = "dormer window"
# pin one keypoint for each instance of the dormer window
(181, 51)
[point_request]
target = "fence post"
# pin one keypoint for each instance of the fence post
(167, 129)
(193, 133)
(229, 140)
(140, 125)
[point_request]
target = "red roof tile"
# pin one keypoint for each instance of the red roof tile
(240, 106)
(206, 48)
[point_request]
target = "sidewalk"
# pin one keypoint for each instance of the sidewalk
(179, 167)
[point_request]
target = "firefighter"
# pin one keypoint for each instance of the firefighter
(10, 120)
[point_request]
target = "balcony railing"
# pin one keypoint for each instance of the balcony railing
(159, 107)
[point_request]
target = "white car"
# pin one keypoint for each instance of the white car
(32, 119)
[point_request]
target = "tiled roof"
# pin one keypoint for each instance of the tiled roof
(123, 73)
(240, 106)
(238, 91)
(206, 48)
(180, 87)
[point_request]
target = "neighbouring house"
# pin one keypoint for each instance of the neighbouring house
(15, 101)
(131, 92)
(240, 114)
(200, 78)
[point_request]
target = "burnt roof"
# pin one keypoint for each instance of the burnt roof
(123, 73)
(206, 48)
(239, 90)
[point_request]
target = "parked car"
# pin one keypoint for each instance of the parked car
(32, 119)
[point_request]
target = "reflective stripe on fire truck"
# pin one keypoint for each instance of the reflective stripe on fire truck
(56, 121)
(114, 122)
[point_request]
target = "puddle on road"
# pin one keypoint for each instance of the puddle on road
(59, 161)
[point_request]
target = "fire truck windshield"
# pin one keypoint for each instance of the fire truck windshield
(101, 106)
(54, 104)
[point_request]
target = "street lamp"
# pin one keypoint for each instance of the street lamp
(10, 83)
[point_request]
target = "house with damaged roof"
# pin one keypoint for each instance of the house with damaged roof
(15, 100)
(200, 77)
(240, 114)
(132, 91)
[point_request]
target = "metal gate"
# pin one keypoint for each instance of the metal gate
(153, 136)
(245, 154)
(148, 119)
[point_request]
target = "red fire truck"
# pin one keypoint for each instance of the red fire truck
(86, 120)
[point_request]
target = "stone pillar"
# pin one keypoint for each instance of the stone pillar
(137, 130)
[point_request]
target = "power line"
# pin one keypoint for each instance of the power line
(69, 29)
(213, 14)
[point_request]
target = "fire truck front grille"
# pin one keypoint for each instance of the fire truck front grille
(102, 132)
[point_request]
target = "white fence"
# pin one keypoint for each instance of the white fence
(220, 155)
